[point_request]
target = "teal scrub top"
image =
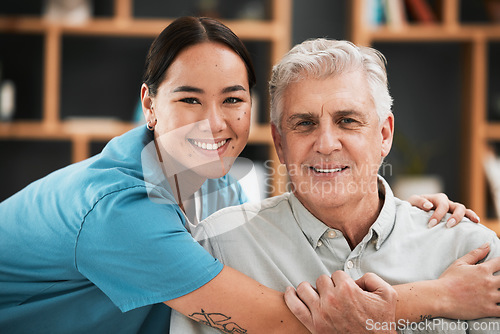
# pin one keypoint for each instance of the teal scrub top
(96, 247)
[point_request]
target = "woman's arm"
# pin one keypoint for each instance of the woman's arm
(245, 303)
(466, 290)
(253, 308)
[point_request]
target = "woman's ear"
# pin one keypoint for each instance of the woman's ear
(147, 103)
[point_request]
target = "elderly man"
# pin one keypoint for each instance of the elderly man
(332, 127)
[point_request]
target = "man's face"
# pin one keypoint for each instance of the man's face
(331, 140)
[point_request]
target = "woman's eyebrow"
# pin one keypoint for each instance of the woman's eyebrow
(189, 89)
(234, 88)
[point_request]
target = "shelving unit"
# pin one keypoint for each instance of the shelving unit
(276, 31)
(479, 132)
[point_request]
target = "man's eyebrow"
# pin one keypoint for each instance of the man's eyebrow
(304, 115)
(350, 112)
(189, 89)
(234, 88)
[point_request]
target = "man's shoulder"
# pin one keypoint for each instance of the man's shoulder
(260, 207)
(250, 214)
(417, 219)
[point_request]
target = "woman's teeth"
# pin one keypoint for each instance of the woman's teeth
(208, 146)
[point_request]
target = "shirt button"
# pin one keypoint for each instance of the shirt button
(320, 243)
(350, 265)
(331, 234)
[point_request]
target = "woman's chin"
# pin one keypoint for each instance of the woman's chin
(214, 169)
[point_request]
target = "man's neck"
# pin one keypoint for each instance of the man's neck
(360, 219)
(353, 219)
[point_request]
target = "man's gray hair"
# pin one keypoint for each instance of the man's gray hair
(322, 58)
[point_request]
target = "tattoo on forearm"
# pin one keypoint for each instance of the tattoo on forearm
(218, 321)
(425, 317)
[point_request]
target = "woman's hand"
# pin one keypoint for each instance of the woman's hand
(442, 205)
(470, 290)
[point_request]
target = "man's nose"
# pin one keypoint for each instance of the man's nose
(328, 139)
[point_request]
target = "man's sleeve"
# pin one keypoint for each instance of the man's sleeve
(204, 235)
(484, 325)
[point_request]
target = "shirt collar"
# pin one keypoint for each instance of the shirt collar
(385, 221)
(314, 229)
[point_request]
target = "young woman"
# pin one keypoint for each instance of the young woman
(101, 246)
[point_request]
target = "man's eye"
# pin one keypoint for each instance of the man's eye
(347, 121)
(190, 100)
(232, 100)
(305, 123)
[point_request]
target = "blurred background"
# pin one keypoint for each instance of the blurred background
(71, 73)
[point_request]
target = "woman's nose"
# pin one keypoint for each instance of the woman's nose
(216, 120)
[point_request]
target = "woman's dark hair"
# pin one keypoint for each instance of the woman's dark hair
(182, 33)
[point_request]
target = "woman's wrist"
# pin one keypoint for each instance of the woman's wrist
(417, 300)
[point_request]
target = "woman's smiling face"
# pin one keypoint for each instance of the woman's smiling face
(203, 110)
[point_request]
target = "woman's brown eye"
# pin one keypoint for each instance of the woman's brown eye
(190, 100)
(233, 100)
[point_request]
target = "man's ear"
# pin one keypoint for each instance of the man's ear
(387, 132)
(147, 103)
(277, 142)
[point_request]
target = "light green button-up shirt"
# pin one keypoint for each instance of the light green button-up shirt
(279, 243)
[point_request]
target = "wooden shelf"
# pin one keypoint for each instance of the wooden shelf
(493, 131)
(92, 129)
(95, 130)
(493, 224)
(245, 29)
(81, 132)
(433, 33)
(478, 131)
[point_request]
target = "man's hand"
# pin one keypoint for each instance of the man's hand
(470, 289)
(341, 305)
(442, 205)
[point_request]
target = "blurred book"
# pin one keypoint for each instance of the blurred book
(375, 11)
(391, 13)
(72, 12)
(492, 170)
(7, 100)
(395, 13)
(420, 11)
(493, 10)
